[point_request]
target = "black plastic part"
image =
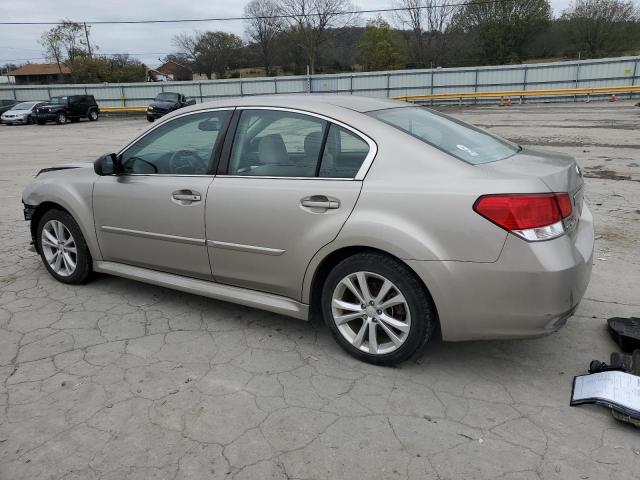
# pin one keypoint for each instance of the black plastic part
(619, 361)
(625, 332)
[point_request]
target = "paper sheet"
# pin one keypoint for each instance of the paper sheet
(613, 389)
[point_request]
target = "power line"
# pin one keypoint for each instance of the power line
(261, 17)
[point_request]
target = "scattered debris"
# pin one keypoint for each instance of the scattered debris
(625, 332)
(615, 385)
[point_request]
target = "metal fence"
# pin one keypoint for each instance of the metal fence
(622, 71)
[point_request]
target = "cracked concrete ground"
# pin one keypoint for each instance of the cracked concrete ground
(121, 380)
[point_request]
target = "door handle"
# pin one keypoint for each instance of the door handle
(186, 197)
(320, 201)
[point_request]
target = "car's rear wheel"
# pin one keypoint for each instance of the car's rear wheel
(377, 309)
(63, 248)
(61, 118)
(93, 115)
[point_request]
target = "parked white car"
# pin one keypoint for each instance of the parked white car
(21, 113)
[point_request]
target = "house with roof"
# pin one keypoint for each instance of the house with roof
(41, 73)
(172, 70)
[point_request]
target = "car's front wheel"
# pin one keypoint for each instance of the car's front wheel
(61, 118)
(150, 118)
(93, 116)
(377, 309)
(63, 248)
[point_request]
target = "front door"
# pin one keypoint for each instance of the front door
(289, 187)
(152, 213)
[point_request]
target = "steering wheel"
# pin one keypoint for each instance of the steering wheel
(186, 162)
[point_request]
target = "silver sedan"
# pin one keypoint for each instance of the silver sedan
(392, 222)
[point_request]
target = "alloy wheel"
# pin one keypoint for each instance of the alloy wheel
(59, 248)
(371, 313)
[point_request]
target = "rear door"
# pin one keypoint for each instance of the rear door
(290, 181)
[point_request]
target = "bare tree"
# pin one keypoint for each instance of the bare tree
(310, 19)
(64, 42)
(410, 14)
(186, 44)
(264, 27)
(599, 26)
(427, 21)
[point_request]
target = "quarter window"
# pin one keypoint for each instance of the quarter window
(184, 146)
(344, 153)
(272, 143)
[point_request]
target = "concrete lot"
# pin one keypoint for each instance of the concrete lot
(121, 380)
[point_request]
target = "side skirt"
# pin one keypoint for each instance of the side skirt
(226, 293)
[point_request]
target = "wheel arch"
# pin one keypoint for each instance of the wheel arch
(75, 199)
(321, 265)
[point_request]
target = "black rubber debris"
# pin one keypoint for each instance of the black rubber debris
(625, 331)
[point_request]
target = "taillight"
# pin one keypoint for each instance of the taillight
(536, 216)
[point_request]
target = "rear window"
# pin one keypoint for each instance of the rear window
(454, 137)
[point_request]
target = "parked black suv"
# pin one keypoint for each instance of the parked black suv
(167, 102)
(67, 107)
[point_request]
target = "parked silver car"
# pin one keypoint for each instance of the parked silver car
(390, 220)
(20, 113)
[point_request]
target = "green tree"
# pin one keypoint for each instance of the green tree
(379, 46)
(210, 52)
(502, 30)
(99, 69)
(602, 27)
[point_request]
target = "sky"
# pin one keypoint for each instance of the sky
(19, 43)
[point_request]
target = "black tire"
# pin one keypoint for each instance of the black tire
(83, 257)
(92, 115)
(150, 118)
(61, 118)
(421, 308)
(41, 122)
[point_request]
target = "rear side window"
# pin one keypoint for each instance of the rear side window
(271, 143)
(454, 137)
(278, 143)
(343, 154)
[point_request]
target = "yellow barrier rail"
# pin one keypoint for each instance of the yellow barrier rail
(524, 93)
(505, 94)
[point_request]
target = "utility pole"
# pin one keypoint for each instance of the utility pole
(86, 34)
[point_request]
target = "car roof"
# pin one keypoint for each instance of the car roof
(316, 102)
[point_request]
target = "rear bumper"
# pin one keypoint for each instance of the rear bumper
(531, 290)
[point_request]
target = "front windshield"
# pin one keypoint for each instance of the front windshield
(60, 100)
(452, 136)
(24, 106)
(167, 97)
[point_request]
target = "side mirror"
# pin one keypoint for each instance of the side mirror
(106, 164)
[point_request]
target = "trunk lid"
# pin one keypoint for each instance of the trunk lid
(560, 173)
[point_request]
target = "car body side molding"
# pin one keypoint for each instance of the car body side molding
(227, 293)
